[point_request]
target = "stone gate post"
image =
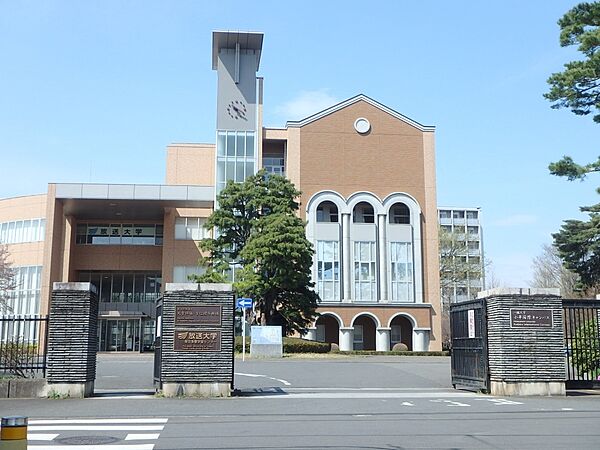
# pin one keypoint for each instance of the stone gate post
(525, 341)
(72, 340)
(197, 340)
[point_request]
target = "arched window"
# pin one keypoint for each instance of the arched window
(327, 212)
(363, 213)
(399, 213)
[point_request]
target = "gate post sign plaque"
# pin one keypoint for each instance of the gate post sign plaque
(197, 340)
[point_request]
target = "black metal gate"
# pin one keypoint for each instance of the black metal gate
(582, 343)
(469, 356)
(157, 340)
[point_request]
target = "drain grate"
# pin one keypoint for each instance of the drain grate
(88, 440)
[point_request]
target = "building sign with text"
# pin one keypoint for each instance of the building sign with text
(530, 318)
(198, 315)
(197, 340)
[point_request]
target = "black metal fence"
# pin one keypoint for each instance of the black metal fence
(23, 345)
(469, 357)
(582, 343)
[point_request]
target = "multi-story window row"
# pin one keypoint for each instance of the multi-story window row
(275, 165)
(21, 231)
(25, 298)
(465, 224)
(236, 159)
(190, 228)
(328, 270)
(365, 249)
(124, 287)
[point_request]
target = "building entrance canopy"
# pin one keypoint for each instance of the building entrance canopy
(131, 201)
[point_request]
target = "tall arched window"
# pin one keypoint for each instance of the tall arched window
(327, 212)
(363, 213)
(399, 214)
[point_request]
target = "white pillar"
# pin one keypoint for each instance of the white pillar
(347, 261)
(382, 267)
(311, 334)
(421, 339)
(383, 339)
(346, 339)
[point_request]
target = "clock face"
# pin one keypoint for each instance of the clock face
(237, 110)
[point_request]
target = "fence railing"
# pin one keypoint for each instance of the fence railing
(23, 345)
(582, 343)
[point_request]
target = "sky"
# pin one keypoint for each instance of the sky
(94, 91)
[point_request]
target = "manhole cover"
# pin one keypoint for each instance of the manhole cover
(87, 440)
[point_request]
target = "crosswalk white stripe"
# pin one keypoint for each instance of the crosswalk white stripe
(93, 447)
(96, 428)
(141, 437)
(96, 421)
(41, 437)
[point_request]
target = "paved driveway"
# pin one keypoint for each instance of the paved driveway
(134, 372)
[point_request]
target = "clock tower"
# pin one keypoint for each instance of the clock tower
(236, 58)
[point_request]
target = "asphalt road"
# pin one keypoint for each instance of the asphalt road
(349, 403)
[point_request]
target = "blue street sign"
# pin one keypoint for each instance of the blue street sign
(243, 303)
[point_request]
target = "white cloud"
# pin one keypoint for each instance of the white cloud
(516, 220)
(306, 103)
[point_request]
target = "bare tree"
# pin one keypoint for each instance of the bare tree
(549, 272)
(8, 280)
(491, 279)
(456, 270)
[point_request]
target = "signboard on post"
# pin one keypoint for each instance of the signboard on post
(530, 318)
(244, 303)
(471, 319)
(266, 342)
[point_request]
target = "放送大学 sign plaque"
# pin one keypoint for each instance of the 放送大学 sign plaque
(197, 341)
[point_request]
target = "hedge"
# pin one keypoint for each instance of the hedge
(290, 345)
(392, 353)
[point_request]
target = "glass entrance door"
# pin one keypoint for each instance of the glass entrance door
(119, 335)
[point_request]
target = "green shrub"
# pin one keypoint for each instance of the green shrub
(586, 349)
(16, 357)
(290, 345)
(400, 347)
(394, 353)
(238, 344)
(297, 345)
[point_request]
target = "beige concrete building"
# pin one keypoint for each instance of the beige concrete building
(367, 176)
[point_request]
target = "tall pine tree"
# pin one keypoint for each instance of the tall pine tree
(578, 88)
(257, 229)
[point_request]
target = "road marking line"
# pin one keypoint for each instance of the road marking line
(449, 402)
(351, 395)
(94, 421)
(567, 409)
(362, 415)
(140, 437)
(93, 447)
(124, 397)
(380, 389)
(500, 401)
(41, 437)
(254, 375)
(96, 428)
